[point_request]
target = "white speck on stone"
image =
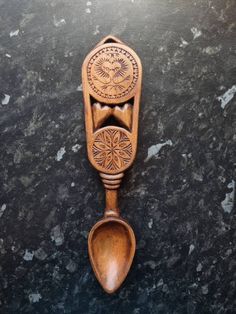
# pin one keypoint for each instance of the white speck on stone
(2, 210)
(68, 54)
(97, 31)
(60, 154)
(14, 33)
(205, 289)
(212, 50)
(40, 254)
(155, 149)
(75, 148)
(28, 256)
(196, 32)
(197, 177)
(165, 288)
(89, 3)
(72, 184)
(84, 234)
(71, 266)
(58, 23)
(57, 235)
(6, 99)
(160, 283)
(191, 249)
(34, 297)
(228, 252)
(228, 203)
(151, 264)
(8, 55)
(184, 43)
(80, 88)
(199, 267)
(222, 179)
(227, 96)
(88, 11)
(150, 223)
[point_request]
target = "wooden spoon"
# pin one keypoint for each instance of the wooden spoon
(111, 246)
(111, 78)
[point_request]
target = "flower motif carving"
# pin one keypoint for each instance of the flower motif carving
(112, 150)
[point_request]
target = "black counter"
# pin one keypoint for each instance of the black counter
(178, 196)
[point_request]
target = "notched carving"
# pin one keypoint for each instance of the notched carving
(123, 114)
(100, 114)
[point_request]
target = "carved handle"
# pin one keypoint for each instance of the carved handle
(111, 77)
(111, 184)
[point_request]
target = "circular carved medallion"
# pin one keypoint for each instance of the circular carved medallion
(112, 72)
(112, 150)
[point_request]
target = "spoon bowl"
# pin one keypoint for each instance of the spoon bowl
(111, 245)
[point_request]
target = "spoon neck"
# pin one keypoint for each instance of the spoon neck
(111, 184)
(112, 208)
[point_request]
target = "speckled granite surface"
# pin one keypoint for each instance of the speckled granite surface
(179, 195)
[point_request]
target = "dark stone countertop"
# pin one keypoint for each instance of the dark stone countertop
(179, 195)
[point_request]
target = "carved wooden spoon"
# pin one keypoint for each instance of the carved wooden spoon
(111, 75)
(111, 246)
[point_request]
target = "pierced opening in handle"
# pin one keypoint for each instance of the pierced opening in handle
(109, 39)
(112, 115)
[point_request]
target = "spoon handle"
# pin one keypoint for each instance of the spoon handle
(111, 78)
(111, 184)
